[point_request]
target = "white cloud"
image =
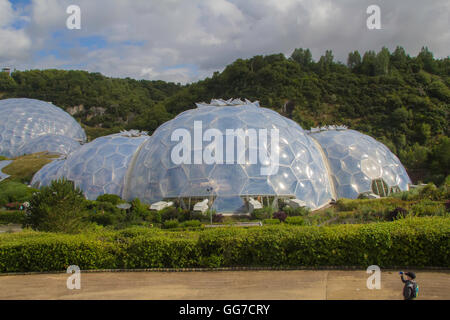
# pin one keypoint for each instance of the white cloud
(14, 43)
(183, 41)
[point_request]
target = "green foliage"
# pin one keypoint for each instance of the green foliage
(105, 214)
(192, 224)
(300, 211)
(23, 168)
(264, 213)
(428, 208)
(271, 221)
(297, 220)
(125, 103)
(111, 198)
(57, 208)
(11, 191)
(16, 217)
(171, 224)
(419, 242)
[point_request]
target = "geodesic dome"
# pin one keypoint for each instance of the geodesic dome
(47, 174)
(52, 143)
(22, 120)
(301, 174)
(100, 166)
(360, 164)
(314, 167)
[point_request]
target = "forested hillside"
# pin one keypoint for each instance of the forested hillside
(400, 100)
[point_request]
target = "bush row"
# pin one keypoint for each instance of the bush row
(407, 242)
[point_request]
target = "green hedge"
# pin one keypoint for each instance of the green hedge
(409, 242)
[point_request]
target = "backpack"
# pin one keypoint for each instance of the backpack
(414, 289)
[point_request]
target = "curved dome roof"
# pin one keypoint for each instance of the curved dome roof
(47, 174)
(360, 164)
(302, 172)
(100, 166)
(313, 166)
(24, 119)
(52, 143)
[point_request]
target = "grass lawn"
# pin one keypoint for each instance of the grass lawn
(23, 168)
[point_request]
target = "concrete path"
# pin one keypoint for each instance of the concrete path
(277, 285)
(11, 228)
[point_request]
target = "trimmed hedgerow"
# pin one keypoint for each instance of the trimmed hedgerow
(416, 242)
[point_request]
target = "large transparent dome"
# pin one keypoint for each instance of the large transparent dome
(22, 120)
(47, 174)
(302, 172)
(100, 166)
(360, 164)
(314, 167)
(53, 143)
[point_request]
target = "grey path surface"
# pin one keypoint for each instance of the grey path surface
(278, 285)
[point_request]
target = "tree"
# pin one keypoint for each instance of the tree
(57, 208)
(368, 63)
(382, 62)
(7, 83)
(325, 62)
(354, 60)
(399, 59)
(426, 59)
(303, 57)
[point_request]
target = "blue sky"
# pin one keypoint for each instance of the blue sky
(184, 41)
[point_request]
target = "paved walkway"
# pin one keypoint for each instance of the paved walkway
(278, 285)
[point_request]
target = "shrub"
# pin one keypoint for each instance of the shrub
(299, 221)
(217, 218)
(192, 224)
(264, 213)
(57, 208)
(17, 217)
(106, 217)
(169, 213)
(397, 213)
(11, 191)
(430, 191)
(271, 221)
(428, 208)
(111, 198)
(280, 215)
(300, 211)
(171, 224)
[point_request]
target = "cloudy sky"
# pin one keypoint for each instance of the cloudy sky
(187, 40)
